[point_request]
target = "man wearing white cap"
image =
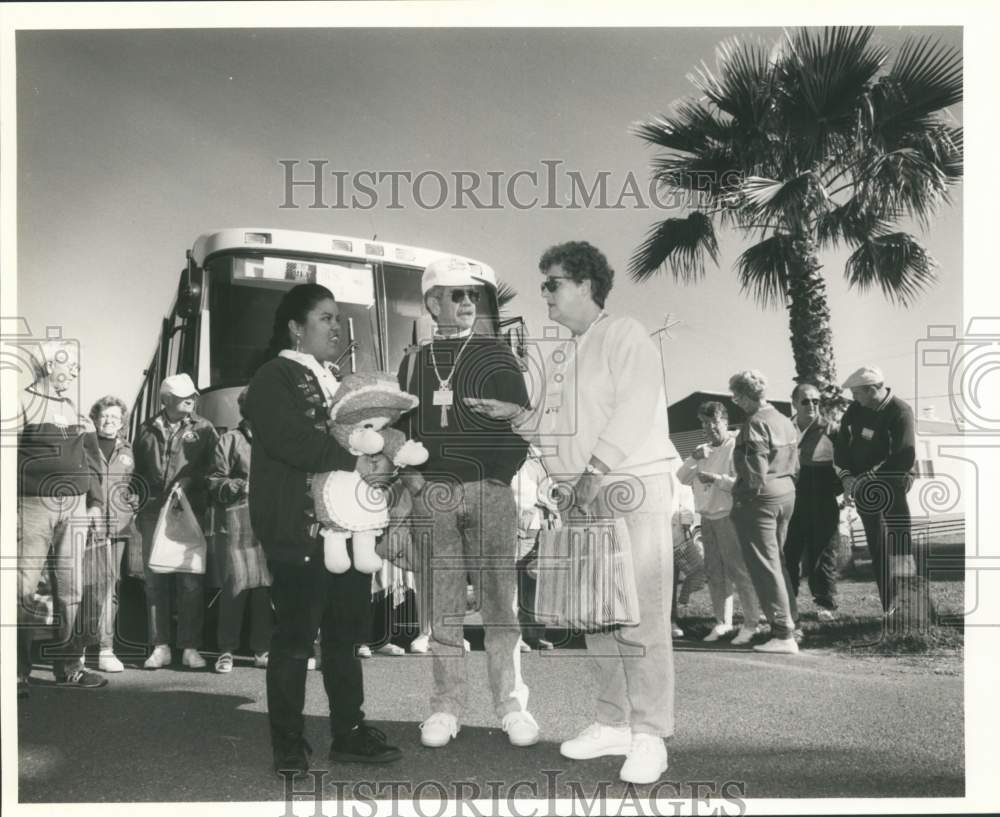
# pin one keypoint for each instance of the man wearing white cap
(874, 456)
(174, 447)
(463, 503)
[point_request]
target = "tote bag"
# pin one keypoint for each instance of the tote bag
(179, 544)
(586, 579)
(243, 559)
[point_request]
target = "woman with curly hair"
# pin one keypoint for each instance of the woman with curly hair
(766, 458)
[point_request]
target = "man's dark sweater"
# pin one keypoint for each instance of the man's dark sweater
(880, 440)
(471, 447)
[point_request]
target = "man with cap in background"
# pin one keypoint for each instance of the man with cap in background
(464, 511)
(174, 447)
(874, 456)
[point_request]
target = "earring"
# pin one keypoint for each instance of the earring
(298, 343)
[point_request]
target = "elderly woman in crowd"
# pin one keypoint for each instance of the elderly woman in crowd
(602, 428)
(766, 457)
(710, 473)
(110, 416)
(288, 406)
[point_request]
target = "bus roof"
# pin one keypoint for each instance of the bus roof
(324, 244)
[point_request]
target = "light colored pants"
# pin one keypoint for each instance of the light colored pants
(635, 665)
(109, 609)
(470, 528)
(727, 570)
(59, 523)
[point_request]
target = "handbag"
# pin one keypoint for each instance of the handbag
(244, 563)
(179, 544)
(586, 578)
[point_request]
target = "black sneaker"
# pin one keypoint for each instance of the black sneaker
(292, 755)
(363, 744)
(79, 677)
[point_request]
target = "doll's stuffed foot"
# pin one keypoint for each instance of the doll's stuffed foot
(366, 560)
(335, 555)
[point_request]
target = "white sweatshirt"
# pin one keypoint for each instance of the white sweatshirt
(716, 500)
(604, 397)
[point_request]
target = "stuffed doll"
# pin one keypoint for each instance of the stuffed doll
(347, 507)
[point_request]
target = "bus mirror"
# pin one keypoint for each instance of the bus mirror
(190, 289)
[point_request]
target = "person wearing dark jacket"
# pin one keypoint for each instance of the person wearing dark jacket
(813, 535)
(110, 417)
(60, 503)
(228, 485)
(875, 455)
(288, 406)
(173, 448)
(463, 499)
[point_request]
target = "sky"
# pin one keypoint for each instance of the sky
(132, 143)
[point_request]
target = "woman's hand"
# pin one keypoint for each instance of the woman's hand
(494, 409)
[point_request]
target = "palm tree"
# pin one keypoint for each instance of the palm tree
(809, 145)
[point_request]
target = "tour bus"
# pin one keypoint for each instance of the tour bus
(219, 326)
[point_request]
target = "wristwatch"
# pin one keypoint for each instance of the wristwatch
(593, 469)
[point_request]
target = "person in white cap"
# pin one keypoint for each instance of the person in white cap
(463, 502)
(173, 447)
(874, 456)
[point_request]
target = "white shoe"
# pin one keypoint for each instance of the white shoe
(597, 740)
(364, 651)
(646, 761)
(717, 632)
(390, 649)
(466, 645)
(224, 663)
(260, 660)
(421, 644)
(826, 615)
(160, 657)
(521, 728)
(192, 659)
(744, 636)
(676, 631)
(107, 661)
(438, 730)
(784, 646)
(312, 663)
(522, 645)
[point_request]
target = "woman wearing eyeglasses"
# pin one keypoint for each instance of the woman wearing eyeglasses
(766, 458)
(813, 536)
(602, 430)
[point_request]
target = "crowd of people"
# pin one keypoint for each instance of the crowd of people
(767, 496)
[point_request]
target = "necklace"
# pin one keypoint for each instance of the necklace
(442, 395)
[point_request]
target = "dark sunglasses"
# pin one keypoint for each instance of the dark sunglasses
(458, 295)
(552, 284)
(809, 401)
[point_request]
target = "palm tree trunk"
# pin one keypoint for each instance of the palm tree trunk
(809, 321)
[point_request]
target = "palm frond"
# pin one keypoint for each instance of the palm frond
(763, 270)
(505, 294)
(693, 128)
(681, 244)
(925, 78)
(853, 224)
(789, 202)
(897, 263)
(742, 83)
(911, 179)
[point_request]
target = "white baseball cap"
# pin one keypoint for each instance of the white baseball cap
(449, 271)
(178, 385)
(865, 376)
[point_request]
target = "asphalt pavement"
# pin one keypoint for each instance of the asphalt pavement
(812, 725)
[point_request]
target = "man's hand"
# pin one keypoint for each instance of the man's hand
(494, 409)
(707, 477)
(849, 483)
(701, 452)
(97, 521)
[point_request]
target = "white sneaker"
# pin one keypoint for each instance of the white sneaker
(744, 636)
(646, 761)
(107, 661)
(438, 730)
(260, 660)
(421, 644)
(224, 663)
(784, 646)
(717, 632)
(312, 663)
(523, 645)
(466, 645)
(826, 615)
(364, 651)
(676, 631)
(160, 657)
(390, 649)
(597, 740)
(192, 659)
(521, 728)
